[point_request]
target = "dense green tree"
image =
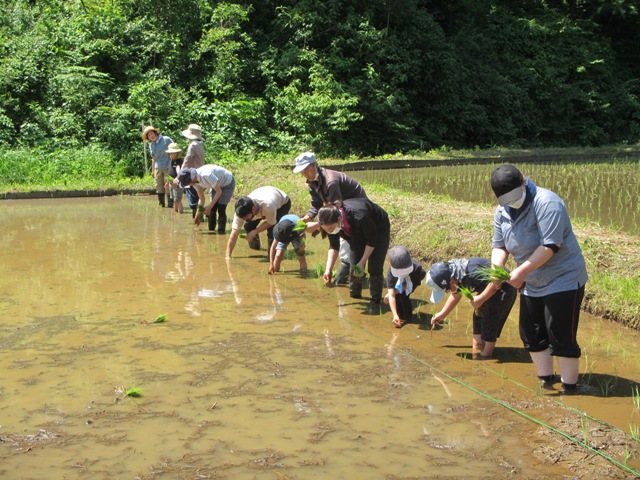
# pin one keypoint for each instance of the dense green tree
(337, 76)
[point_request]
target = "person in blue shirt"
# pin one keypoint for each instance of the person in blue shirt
(532, 225)
(286, 232)
(160, 161)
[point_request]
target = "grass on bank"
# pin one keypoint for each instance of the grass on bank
(434, 228)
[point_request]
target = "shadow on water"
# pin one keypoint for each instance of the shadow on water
(259, 376)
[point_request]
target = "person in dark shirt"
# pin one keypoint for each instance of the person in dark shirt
(327, 186)
(492, 303)
(365, 226)
(175, 195)
(403, 277)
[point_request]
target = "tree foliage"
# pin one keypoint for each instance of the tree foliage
(340, 77)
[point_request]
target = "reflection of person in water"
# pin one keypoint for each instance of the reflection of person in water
(277, 301)
(234, 284)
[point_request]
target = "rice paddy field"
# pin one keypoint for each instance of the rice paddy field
(594, 192)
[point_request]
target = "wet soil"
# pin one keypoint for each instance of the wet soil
(266, 376)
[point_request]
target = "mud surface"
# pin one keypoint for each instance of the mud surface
(259, 376)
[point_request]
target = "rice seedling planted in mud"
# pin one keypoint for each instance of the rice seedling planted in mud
(133, 392)
(635, 395)
(160, 318)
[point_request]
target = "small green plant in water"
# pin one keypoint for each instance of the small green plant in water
(635, 394)
(319, 270)
(493, 273)
(133, 392)
(465, 292)
(160, 318)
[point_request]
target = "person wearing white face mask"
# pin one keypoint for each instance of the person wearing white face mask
(365, 226)
(532, 225)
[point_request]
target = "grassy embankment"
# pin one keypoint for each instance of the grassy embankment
(433, 228)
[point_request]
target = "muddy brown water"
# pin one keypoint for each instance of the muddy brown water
(259, 376)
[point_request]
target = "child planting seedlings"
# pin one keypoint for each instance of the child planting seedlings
(403, 277)
(289, 230)
(492, 301)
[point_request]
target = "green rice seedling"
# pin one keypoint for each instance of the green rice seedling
(160, 318)
(493, 273)
(606, 386)
(465, 292)
(627, 454)
(319, 269)
(635, 395)
(584, 427)
(133, 392)
(634, 431)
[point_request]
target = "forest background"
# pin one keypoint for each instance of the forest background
(340, 77)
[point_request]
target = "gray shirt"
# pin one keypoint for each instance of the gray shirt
(210, 175)
(195, 155)
(544, 221)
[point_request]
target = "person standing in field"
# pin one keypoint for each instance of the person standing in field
(328, 186)
(174, 152)
(257, 212)
(193, 159)
(365, 226)
(492, 301)
(221, 183)
(160, 162)
(532, 225)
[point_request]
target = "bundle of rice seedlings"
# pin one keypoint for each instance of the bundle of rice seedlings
(493, 273)
(465, 292)
(300, 226)
(358, 272)
(200, 213)
(160, 318)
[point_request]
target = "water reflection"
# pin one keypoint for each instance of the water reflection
(250, 373)
(599, 192)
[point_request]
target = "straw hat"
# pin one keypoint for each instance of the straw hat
(173, 148)
(193, 132)
(147, 130)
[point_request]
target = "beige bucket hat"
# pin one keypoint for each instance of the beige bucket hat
(193, 132)
(173, 148)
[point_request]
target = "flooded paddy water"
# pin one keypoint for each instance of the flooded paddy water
(255, 376)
